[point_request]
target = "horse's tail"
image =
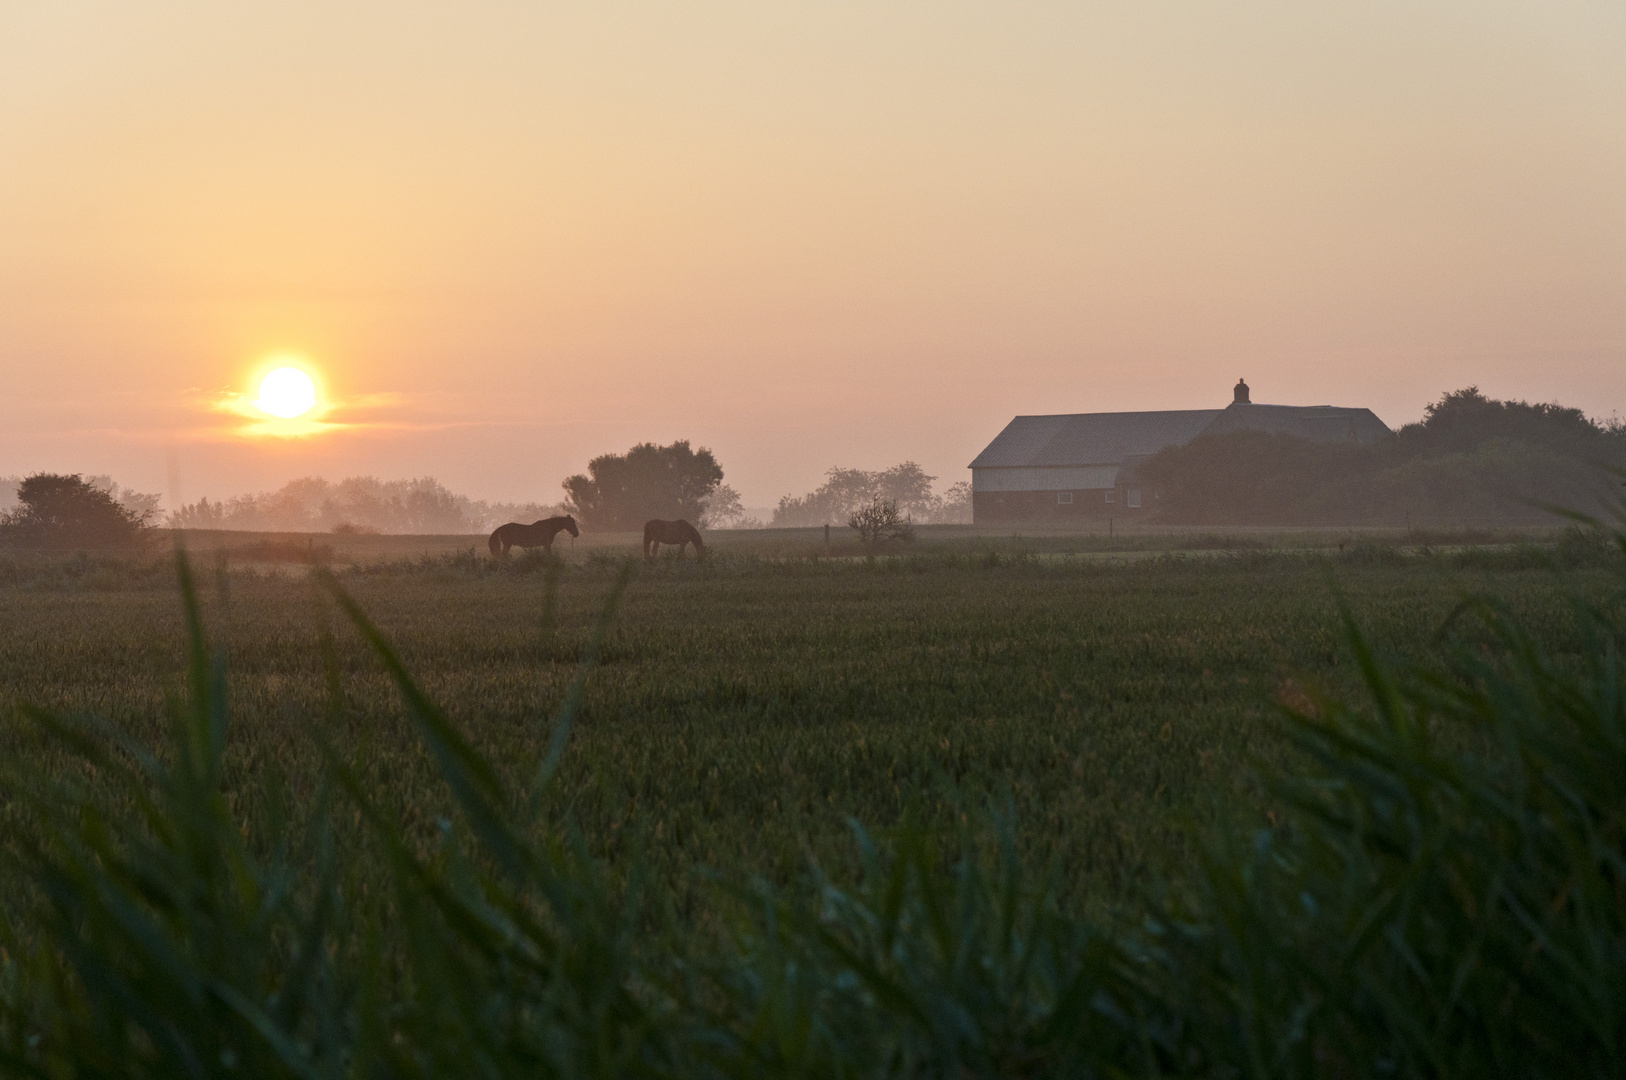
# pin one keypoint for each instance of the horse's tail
(495, 544)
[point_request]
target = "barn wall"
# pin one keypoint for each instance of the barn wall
(1045, 478)
(1087, 505)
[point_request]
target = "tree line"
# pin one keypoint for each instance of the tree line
(618, 492)
(358, 504)
(1471, 460)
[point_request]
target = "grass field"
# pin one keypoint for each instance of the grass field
(1101, 538)
(746, 707)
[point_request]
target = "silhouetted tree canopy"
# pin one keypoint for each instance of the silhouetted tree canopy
(67, 512)
(1248, 477)
(1471, 459)
(622, 491)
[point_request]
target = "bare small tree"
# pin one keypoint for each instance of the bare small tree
(880, 522)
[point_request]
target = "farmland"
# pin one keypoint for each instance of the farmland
(745, 707)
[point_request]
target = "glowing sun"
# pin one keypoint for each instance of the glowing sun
(286, 392)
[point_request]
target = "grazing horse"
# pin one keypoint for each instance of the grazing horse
(538, 534)
(681, 533)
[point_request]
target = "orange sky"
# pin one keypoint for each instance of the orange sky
(512, 235)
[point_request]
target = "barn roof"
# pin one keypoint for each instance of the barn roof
(1318, 423)
(1114, 438)
(1091, 438)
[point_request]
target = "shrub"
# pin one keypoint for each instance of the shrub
(880, 522)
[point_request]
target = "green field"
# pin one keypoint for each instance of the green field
(745, 707)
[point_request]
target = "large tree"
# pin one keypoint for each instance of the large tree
(66, 511)
(622, 491)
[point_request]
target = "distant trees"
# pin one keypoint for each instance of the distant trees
(63, 511)
(358, 504)
(1472, 459)
(622, 491)
(722, 509)
(142, 504)
(953, 506)
(845, 491)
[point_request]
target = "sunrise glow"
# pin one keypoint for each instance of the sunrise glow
(503, 239)
(286, 392)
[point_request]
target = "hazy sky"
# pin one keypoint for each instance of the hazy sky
(512, 235)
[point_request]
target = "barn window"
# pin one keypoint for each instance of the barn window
(1134, 497)
(1108, 494)
(1065, 498)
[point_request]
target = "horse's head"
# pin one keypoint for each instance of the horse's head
(570, 525)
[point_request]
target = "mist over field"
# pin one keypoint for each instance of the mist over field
(1472, 460)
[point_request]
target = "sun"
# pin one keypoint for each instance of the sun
(287, 393)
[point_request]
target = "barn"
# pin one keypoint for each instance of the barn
(1073, 465)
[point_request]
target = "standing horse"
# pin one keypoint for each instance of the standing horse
(681, 533)
(539, 534)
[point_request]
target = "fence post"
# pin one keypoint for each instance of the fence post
(826, 537)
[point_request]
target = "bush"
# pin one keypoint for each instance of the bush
(880, 522)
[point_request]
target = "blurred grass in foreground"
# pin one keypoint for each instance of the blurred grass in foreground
(1441, 894)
